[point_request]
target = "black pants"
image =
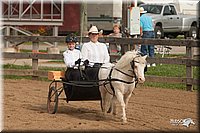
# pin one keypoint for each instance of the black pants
(92, 73)
(71, 75)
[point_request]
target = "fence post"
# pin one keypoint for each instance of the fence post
(189, 68)
(35, 49)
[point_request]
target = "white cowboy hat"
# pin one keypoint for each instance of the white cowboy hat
(93, 29)
(142, 10)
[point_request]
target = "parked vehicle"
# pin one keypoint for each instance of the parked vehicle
(169, 23)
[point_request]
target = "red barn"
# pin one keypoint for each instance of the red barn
(38, 16)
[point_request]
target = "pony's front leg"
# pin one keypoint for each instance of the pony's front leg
(103, 99)
(114, 108)
(127, 96)
(119, 97)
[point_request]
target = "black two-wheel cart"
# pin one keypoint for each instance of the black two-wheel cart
(79, 91)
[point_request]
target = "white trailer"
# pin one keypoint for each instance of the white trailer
(104, 14)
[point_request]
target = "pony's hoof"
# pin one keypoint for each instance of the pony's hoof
(124, 122)
(114, 114)
(103, 113)
(109, 110)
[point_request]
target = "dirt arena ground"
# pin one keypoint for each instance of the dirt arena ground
(150, 109)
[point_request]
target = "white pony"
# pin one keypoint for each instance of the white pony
(122, 79)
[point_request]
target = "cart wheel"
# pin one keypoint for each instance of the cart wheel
(52, 101)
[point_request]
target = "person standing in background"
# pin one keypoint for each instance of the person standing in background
(146, 31)
(116, 33)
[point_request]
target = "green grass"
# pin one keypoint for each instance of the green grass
(29, 51)
(51, 69)
(27, 43)
(170, 55)
(171, 71)
(56, 61)
(11, 66)
(166, 70)
(180, 37)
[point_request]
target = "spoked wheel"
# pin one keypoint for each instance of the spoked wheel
(52, 100)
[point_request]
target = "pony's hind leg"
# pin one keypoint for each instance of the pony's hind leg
(108, 106)
(105, 99)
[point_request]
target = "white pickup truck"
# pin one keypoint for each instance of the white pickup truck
(168, 23)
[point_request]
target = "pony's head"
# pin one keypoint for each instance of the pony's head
(135, 61)
(139, 65)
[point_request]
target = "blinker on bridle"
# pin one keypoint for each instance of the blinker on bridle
(133, 65)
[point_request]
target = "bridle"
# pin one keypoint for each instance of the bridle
(132, 63)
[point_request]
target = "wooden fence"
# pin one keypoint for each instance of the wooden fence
(126, 44)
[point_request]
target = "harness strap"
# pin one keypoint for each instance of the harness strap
(125, 73)
(113, 79)
(136, 78)
(107, 89)
(109, 78)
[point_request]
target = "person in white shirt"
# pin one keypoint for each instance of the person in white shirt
(94, 51)
(72, 59)
(72, 56)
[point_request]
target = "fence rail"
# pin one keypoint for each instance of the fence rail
(125, 43)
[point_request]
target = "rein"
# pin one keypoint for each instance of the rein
(124, 73)
(92, 83)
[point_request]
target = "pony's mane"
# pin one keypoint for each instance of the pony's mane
(126, 58)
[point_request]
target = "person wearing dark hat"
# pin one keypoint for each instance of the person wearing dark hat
(147, 31)
(72, 59)
(72, 56)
